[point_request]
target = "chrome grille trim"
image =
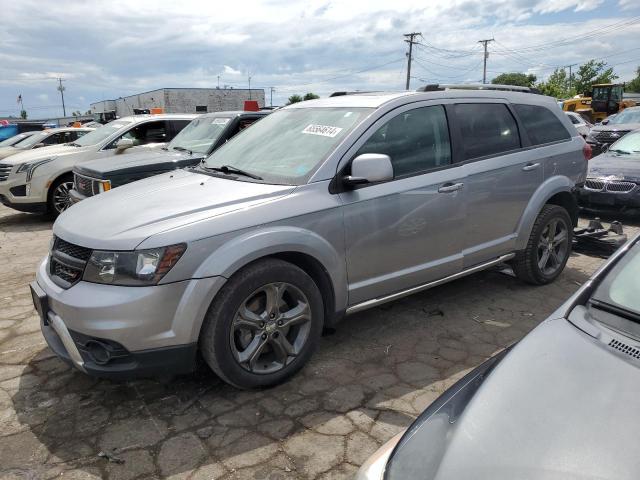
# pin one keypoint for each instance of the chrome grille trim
(620, 187)
(67, 262)
(594, 185)
(611, 186)
(5, 170)
(84, 185)
(610, 136)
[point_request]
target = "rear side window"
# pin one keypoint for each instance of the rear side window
(541, 124)
(573, 119)
(487, 129)
(416, 141)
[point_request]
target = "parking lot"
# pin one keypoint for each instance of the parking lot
(367, 382)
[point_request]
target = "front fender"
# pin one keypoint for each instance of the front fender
(254, 244)
(541, 196)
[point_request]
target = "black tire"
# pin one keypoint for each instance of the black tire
(526, 264)
(53, 209)
(217, 341)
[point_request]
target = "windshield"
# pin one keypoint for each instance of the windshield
(630, 143)
(15, 139)
(287, 146)
(200, 134)
(33, 139)
(100, 134)
(620, 287)
(629, 115)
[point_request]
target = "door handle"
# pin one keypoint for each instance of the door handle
(450, 187)
(530, 166)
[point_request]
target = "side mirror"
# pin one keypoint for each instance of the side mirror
(369, 168)
(604, 122)
(123, 144)
(39, 145)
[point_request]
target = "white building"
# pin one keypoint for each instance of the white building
(181, 100)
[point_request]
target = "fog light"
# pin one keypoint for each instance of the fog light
(98, 352)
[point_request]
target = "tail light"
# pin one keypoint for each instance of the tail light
(586, 151)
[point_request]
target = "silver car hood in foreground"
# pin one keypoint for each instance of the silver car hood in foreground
(125, 216)
(560, 406)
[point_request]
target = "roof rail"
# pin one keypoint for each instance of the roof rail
(434, 87)
(341, 94)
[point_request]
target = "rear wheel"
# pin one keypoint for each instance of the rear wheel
(59, 195)
(263, 325)
(548, 249)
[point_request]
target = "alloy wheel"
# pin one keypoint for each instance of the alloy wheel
(61, 197)
(553, 246)
(270, 328)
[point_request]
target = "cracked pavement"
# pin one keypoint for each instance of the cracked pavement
(366, 382)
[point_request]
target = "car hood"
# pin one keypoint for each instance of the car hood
(561, 405)
(615, 166)
(122, 218)
(44, 152)
(134, 162)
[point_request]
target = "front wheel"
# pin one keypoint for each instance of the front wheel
(59, 195)
(548, 248)
(263, 325)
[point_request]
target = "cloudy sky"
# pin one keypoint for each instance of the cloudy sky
(106, 50)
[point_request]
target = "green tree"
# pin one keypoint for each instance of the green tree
(23, 114)
(294, 99)
(310, 96)
(634, 85)
(515, 78)
(591, 73)
(557, 85)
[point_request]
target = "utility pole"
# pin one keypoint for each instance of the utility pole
(218, 81)
(486, 55)
(570, 75)
(409, 38)
(61, 89)
(272, 89)
(249, 87)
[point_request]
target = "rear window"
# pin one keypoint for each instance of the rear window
(487, 129)
(541, 124)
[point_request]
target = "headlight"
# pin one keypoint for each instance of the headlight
(103, 185)
(591, 138)
(30, 167)
(139, 268)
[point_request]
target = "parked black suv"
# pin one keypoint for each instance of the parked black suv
(195, 142)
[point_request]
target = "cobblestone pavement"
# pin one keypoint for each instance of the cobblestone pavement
(367, 382)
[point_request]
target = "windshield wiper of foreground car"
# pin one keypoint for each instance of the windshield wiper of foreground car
(230, 170)
(182, 149)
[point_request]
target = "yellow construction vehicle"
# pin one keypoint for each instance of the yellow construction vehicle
(606, 99)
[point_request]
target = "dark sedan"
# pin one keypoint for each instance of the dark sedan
(197, 140)
(613, 180)
(613, 128)
(562, 404)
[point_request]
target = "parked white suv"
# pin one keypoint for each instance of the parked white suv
(40, 180)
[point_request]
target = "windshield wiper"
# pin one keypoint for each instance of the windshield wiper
(74, 144)
(230, 170)
(623, 152)
(182, 149)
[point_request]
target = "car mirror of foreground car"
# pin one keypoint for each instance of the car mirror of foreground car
(369, 168)
(123, 144)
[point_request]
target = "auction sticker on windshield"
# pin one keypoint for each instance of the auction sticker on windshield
(323, 130)
(220, 121)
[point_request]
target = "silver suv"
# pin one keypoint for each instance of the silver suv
(320, 210)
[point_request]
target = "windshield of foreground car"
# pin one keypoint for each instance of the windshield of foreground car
(16, 139)
(630, 143)
(287, 146)
(99, 134)
(199, 135)
(629, 115)
(620, 289)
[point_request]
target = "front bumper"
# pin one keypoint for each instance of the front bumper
(608, 200)
(76, 196)
(125, 332)
(17, 193)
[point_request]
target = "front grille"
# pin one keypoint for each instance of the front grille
(610, 136)
(624, 348)
(5, 170)
(83, 185)
(615, 186)
(593, 184)
(67, 262)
